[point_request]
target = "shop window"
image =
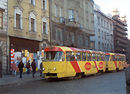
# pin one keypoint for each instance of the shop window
(1, 19)
(84, 56)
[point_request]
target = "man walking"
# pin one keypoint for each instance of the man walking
(28, 67)
(33, 65)
(20, 66)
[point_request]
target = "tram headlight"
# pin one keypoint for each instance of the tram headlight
(43, 69)
(54, 69)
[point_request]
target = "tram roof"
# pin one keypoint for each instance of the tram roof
(65, 49)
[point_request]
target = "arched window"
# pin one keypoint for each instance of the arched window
(18, 22)
(32, 22)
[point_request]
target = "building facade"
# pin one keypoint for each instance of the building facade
(103, 39)
(3, 36)
(28, 29)
(128, 51)
(71, 22)
(120, 32)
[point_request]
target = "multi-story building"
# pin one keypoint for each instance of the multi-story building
(103, 39)
(120, 32)
(28, 28)
(71, 22)
(3, 35)
(128, 51)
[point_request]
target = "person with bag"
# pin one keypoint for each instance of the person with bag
(33, 65)
(28, 67)
(20, 66)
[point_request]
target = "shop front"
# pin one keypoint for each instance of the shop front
(25, 50)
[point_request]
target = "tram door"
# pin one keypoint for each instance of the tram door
(0, 63)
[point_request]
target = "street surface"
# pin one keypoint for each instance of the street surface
(107, 83)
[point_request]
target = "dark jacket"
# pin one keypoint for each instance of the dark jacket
(28, 65)
(20, 65)
(33, 65)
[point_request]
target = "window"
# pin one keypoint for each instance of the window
(32, 2)
(107, 57)
(98, 57)
(78, 56)
(18, 18)
(84, 56)
(1, 19)
(102, 58)
(94, 57)
(70, 56)
(18, 21)
(71, 15)
(32, 25)
(44, 4)
(44, 27)
(89, 57)
(32, 22)
(56, 10)
(54, 56)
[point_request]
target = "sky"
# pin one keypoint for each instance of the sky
(123, 6)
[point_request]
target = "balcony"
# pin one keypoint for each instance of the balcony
(121, 26)
(72, 23)
(121, 31)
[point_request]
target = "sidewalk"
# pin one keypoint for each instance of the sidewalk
(7, 80)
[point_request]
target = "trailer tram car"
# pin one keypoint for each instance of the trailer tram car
(62, 62)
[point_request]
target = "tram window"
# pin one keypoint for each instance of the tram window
(89, 57)
(53, 56)
(78, 56)
(102, 58)
(93, 57)
(107, 57)
(70, 56)
(83, 56)
(98, 57)
(113, 58)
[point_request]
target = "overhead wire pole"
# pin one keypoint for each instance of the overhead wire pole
(50, 20)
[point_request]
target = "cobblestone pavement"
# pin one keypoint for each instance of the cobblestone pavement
(107, 83)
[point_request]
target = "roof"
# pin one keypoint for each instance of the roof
(65, 49)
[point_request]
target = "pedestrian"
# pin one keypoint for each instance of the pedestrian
(20, 66)
(41, 69)
(33, 65)
(28, 67)
(14, 68)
